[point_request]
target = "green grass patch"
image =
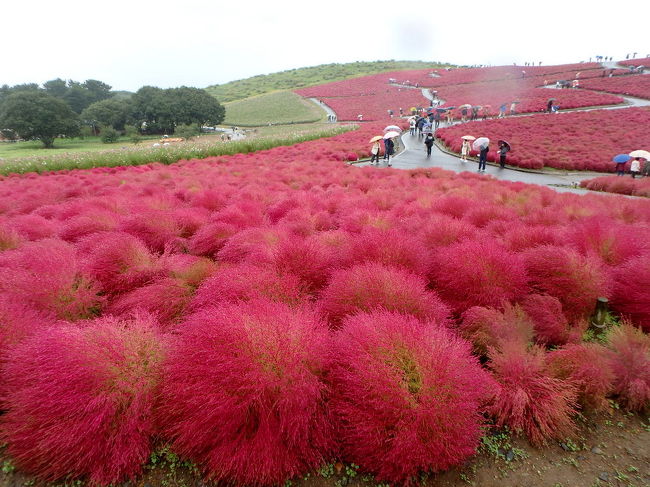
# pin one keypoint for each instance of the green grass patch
(29, 148)
(300, 78)
(280, 107)
(199, 148)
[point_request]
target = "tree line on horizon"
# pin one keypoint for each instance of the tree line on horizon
(62, 108)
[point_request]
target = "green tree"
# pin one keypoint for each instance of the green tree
(109, 113)
(56, 87)
(195, 106)
(37, 115)
(152, 105)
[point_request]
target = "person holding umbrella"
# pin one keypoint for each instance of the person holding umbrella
(504, 148)
(375, 150)
(549, 104)
(635, 167)
(620, 161)
(389, 147)
(482, 144)
(466, 147)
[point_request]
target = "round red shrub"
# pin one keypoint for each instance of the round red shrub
(488, 328)
(80, 400)
(371, 286)
(630, 360)
(255, 413)
(586, 365)
(529, 400)
(406, 396)
(477, 273)
(243, 282)
(631, 282)
(551, 326)
(576, 280)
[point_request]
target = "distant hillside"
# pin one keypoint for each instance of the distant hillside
(302, 77)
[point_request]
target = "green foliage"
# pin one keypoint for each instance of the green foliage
(303, 77)
(109, 135)
(8, 134)
(171, 465)
(165, 155)
(133, 134)
(108, 113)
(8, 467)
(37, 115)
(497, 444)
(280, 107)
(186, 131)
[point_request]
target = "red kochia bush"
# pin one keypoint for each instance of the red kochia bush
(630, 291)
(243, 394)
(80, 400)
(551, 326)
(46, 274)
(372, 286)
(476, 273)
(576, 280)
(406, 395)
(529, 400)
(587, 366)
(488, 328)
(630, 359)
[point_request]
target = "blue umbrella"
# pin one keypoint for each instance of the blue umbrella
(621, 158)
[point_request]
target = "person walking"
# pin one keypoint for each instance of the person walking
(428, 142)
(463, 114)
(502, 110)
(620, 169)
(412, 126)
(465, 149)
(549, 105)
(436, 120)
(389, 146)
(482, 158)
(503, 150)
(635, 167)
(376, 148)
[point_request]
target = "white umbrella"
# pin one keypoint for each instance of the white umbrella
(392, 128)
(391, 134)
(468, 137)
(480, 143)
(640, 153)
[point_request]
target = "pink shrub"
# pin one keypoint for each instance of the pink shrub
(47, 275)
(80, 400)
(155, 228)
(551, 326)
(307, 258)
(530, 401)
(488, 328)
(190, 269)
(166, 299)
(254, 245)
(406, 396)
(88, 223)
(586, 365)
(477, 273)
(243, 282)
(209, 239)
(373, 286)
(34, 227)
(576, 280)
(631, 282)
(630, 360)
(256, 411)
(391, 248)
(120, 261)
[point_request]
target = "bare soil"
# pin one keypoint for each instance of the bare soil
(609, 450)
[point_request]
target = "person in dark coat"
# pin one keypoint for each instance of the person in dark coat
(503, 150)
(389, 147)
(482, 158)
(428, 142)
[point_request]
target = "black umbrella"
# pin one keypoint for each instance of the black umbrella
(551, 99)
(503, 142)
(440, 110)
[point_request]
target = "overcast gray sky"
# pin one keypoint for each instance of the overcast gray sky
(129, 44)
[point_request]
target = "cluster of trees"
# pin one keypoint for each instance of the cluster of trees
(61, 108)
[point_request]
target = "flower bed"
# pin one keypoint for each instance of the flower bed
(262, 312)
(569, 141)
(376, 106)
(633, 85)
(620, 185)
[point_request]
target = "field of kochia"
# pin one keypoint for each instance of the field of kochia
(264, 313)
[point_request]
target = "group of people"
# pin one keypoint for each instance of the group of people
(635, 167)
(375, 151)
(503, 150)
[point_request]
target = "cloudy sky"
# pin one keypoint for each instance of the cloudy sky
(129, 44)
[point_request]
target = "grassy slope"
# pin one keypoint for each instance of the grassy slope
(279, 107)
(299, 78)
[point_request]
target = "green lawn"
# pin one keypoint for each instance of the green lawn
(280, 107)
(16, 150)
(314, 75)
